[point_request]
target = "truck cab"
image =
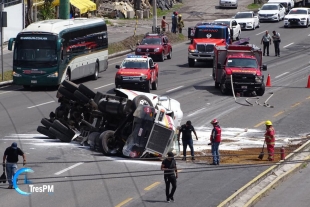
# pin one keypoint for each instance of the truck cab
(239, 68)
(206, 37)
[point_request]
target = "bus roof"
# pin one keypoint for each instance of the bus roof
(57, 25)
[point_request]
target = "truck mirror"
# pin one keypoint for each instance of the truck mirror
(219, 65)
(264, 67)
(117, 66)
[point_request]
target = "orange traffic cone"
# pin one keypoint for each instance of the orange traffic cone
(308, 85)
(268, 84)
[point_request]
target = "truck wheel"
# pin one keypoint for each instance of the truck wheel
(141, 100)
(59, 135)
(216, 84)
(148, 86)
(80, 96)
(46, 122)
(155, 84)
(66, 93)
(223, 89)
(86, 91)
(63, 129)
(69, 86)
(170, 54)
(261, 91)
(191, 62)
(108, 142)
(44, 130)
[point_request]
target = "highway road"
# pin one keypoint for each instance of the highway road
(116, 182)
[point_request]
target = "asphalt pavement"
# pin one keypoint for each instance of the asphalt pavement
(120, 182)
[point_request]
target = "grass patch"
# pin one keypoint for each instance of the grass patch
(108, 22)
(166, 12)
(304, 165)
(7, 75)
(254, 6)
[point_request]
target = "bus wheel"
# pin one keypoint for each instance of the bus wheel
(95, 76)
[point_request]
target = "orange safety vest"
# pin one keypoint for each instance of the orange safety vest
(270, 136)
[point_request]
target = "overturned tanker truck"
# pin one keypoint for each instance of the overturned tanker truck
(130, 123)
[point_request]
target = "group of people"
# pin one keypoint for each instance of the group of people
(267, 39)
(176, 24)
(169, 165)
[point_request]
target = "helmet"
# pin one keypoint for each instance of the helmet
(180, 15)
(268, 123)
(214, 121)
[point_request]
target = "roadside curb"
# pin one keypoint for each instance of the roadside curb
(5, 83)
(263, 175)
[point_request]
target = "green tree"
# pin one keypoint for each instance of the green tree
(47, 10)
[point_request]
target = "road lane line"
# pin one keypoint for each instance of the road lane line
(281, 112)
(195, 112)
(40, 104)
(260, 33)
(68, 168)
(9, 91)
(104, 86)
(123, 202)
(152, 186)
(282, 74)
(257, 125)
(296, 104)
(308, 34)
(308, 97)
(288, 45)
(175, 89)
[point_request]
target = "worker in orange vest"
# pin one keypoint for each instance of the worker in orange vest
(270, 139)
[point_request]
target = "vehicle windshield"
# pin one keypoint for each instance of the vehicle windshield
(215, 33)
(134, 64)
(243, 15)
(242, 63)
(269, 7)
(35, 51)
(151, 41)
(297, 11)
(223, 22)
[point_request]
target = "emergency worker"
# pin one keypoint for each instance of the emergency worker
(215, 139)
(270, 139)
(180, 23)
(170, 175)
(174, 22)
(163, 24)
(266, 40)
(276, 42)
(186, 131)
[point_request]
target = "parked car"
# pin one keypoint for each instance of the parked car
(271, 12)
(288, 4)
(233, 25)
(247, 20)
(229, 3)
(297, 17)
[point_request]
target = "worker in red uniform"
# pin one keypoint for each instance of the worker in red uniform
(215, 139)
(270, 139)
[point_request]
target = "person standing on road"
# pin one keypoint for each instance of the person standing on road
(163, 24)
(266, 40)
(270, 139)
(11, 156)
(276, 42)
(186, 130)
(215, 140)
(170, 175)
(174, 22)
(180, 23)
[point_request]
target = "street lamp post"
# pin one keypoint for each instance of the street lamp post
(1, 28)
(154, 15)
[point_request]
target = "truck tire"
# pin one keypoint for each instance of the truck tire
(162, 57)
(70, 86)
(91, 139)
(46, 122)
(86, 91)
(223, 89)
(261, 91)
(66, 93)
(44, 130)
(141, 100)
(155, 84)
(108, 141)
(191, 62)
(81, 97)
(63, 129)
(169, 56)
(59, 135)
(148, 87)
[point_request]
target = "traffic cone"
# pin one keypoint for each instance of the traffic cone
(268, 84)
(308, 85)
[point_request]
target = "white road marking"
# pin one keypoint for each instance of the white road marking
(308, 34)
(104, 86)
(8, 91)
(40, 104)
(68, 168)
(195, 112)
(281, 75)
(175, 89)
(261, 33)
(288, 45)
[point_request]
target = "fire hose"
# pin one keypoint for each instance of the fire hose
(265, 104)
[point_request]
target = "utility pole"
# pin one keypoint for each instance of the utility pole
(64, 9)
(154, 15)
(1, 28)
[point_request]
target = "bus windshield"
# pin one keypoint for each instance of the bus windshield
(214, 33)
(35, 51)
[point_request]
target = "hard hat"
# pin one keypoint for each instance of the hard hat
(268, 123)
(180, 15)
(214, 121)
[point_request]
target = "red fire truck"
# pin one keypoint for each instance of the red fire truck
(239, 68)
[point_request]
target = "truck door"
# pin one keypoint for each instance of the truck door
(221, 57)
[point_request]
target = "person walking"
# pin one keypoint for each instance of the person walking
(276, 42)
(174, 22)
(169, 167)
(11, 156)
(270, 139)
(266, 40)
(186, 131)
(180, 23)
(215, 140)
(163, 24)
